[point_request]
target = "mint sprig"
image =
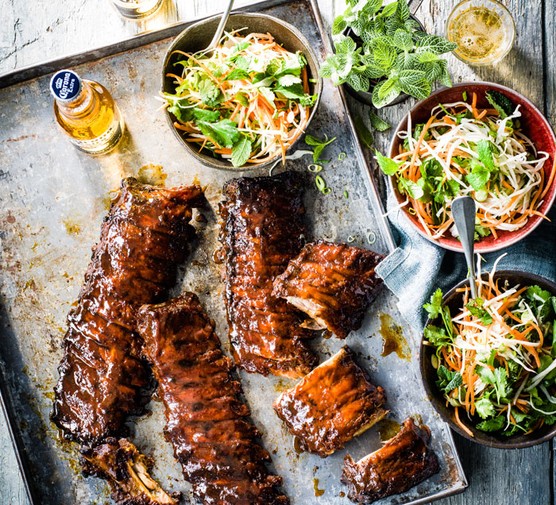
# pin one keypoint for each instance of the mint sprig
(387, 52)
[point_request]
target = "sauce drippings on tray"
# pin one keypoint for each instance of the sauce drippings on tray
(388, 428)
(152, 174)
(394, 340)
(318, 492)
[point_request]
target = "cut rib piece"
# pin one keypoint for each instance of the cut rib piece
(263, 228)
(207, 422)
(102, 376)
(331, 405)
(332, 283)
(401, 463)
(127, 471)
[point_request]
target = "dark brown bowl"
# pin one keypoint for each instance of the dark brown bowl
(198, 36)
(428, 373)
(534, 125)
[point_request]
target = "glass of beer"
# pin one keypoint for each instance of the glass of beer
(484, 31)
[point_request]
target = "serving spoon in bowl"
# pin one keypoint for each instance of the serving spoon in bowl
(463, 211)
(220, 29)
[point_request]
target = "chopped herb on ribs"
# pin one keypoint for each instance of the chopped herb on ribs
(102, 376)
(332, 283)
(206, 419)
(331, 405)
(263, 229)
(401, 463)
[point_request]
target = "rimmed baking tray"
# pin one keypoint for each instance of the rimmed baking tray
(52, 201)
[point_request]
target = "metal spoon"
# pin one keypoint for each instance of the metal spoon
(220, 29)
(463, 211)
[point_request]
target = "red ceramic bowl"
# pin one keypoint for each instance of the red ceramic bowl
(534, 125)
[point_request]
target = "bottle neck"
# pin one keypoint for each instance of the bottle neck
(82, 104)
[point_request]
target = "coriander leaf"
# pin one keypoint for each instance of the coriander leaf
(478, 177)
(500, 383)
(492, 425)
(501, 103)
(378, 123)
(484, 408)
(180, 108)
(363, 133)
(436, 336)
(241, 152)
(434, 307)
(288, 79)
(484, 151)
(448, 380)
(237, 74)
(476, 307)
(210, 93)
(387, 165)
(206, 115)
(412, 189)
(223, 133)
(485, 374)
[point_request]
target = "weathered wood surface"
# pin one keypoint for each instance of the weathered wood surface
(31, 32)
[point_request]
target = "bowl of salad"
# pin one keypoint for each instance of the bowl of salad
(479, 139)
(489, 364)
(245, 103)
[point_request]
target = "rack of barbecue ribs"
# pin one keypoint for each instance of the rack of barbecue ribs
(332, 283)
(102, 376)
(331, 405)
(127, 471)
(263, 228)
(207, 422)
(401, 463)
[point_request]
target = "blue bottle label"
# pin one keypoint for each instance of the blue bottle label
(65, 85)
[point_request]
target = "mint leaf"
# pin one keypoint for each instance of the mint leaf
(403, 40)
(448, 380)
(206, 115)
(501, 103)
(318, 145)
(387, 165)
(378, 123)
(241, 152)
(385, 92)
(363, 133)
(339, 25)
(434, 44)
(224, 133)
(384, 53)
(415, 83)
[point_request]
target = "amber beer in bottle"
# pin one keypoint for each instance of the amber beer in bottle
(86, 112)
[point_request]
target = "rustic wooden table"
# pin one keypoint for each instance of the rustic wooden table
(32, 32)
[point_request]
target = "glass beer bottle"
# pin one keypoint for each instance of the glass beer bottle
(86, 112)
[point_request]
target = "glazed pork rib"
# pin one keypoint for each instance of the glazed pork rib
(127, 471)
(206, 420)
(102, 376)
(332, 283)
(401, 463)
(331, 405)
(263, 228)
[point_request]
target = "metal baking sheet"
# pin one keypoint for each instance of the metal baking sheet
(52, 201)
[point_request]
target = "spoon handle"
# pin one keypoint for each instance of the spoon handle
(463, 211)
(221, 26)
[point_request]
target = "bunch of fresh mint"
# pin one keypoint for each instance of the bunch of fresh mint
(388, 52)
